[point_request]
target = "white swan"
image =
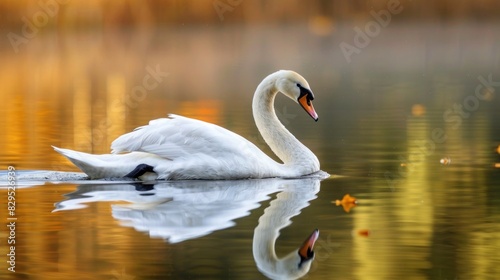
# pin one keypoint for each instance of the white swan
(177, 148)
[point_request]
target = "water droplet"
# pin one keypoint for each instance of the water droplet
(445, 161)
(418, 110)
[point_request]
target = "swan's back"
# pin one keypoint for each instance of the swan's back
(196, 144)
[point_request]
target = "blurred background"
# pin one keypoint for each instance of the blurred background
(385, 73)
(71, 72)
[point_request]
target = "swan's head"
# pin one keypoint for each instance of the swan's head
(296, 264)
(306, 252)
(296, 87)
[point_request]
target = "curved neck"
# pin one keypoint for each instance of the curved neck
(280, 140)
(287, 204)
(276, 217)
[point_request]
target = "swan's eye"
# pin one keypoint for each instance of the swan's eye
(299, 85)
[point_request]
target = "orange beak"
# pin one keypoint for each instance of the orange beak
(306, 250)
(308, 106)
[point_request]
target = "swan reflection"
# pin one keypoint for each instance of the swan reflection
(287, 204)
(181, 210)
(176, 210)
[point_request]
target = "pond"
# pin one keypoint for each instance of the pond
(408, 127)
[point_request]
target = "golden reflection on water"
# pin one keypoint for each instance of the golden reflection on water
(423, 204)
(90, 244)
(425, 219)
(64, 100)
(82, 112)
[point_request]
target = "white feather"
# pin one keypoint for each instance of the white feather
(182, 148)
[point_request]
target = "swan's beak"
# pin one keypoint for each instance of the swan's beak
(305, 101)
(306, 250)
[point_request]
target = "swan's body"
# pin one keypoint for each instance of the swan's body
(178, 148)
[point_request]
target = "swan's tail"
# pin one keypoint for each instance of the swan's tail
(97, 166)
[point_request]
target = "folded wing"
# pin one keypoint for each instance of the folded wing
(176, 137)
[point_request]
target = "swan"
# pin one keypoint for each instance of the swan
(287, 204)
(180, 148)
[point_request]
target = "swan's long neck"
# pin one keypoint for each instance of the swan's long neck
(280, 140)
(276, 217)
(287, 204)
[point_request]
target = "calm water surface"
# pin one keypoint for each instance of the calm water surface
(423, 172)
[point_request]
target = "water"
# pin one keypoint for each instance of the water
(387, 121)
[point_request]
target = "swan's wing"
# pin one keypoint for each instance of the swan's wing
(177, 136)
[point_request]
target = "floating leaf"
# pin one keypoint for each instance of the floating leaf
(347, 202)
